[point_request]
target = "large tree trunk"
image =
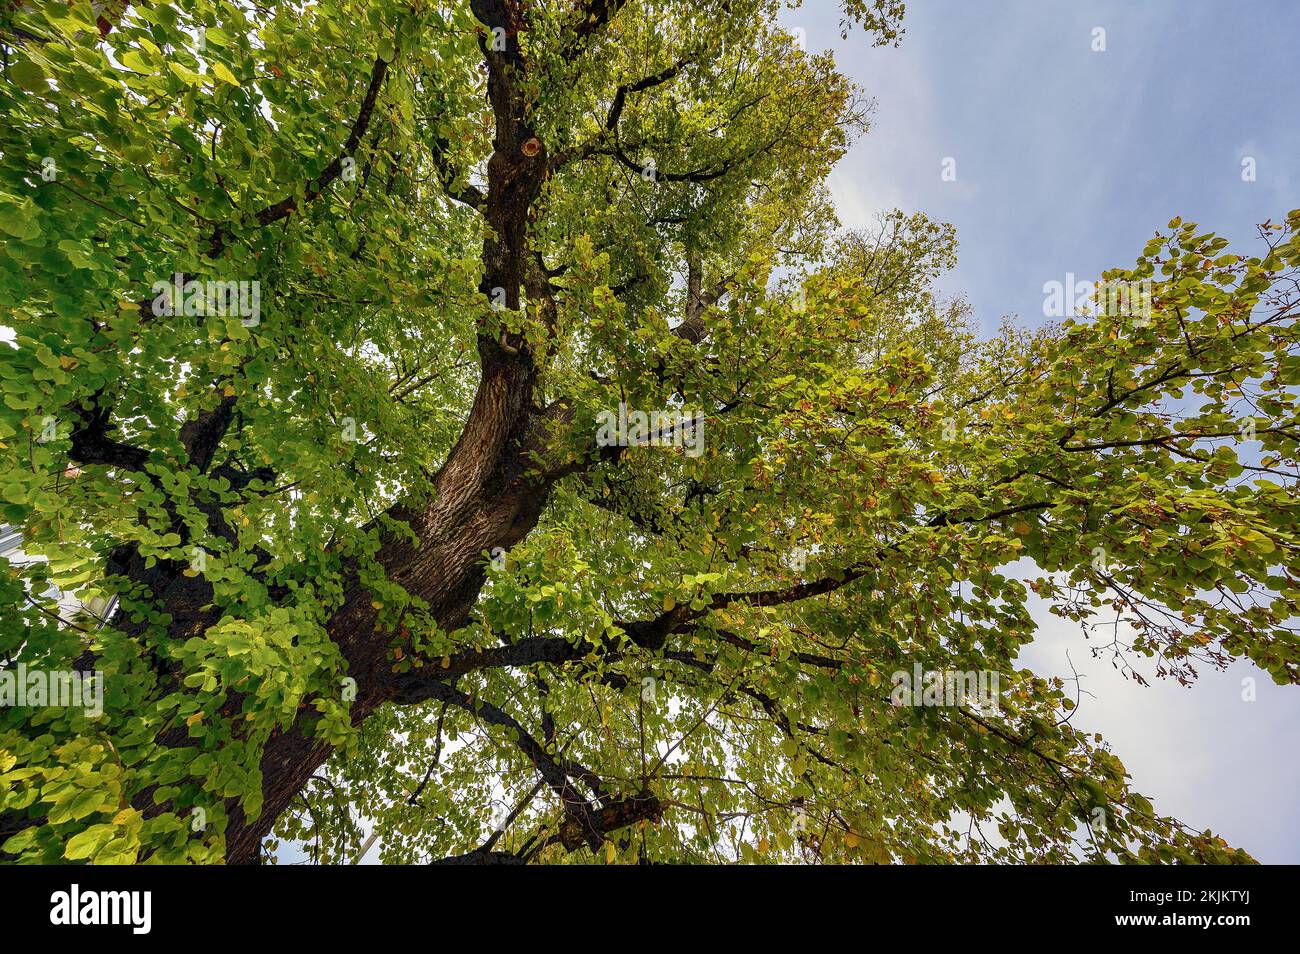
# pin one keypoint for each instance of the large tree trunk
(484, 500)
(483, 497)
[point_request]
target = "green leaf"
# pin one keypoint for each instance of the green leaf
(29, 76)
(17, 219)
(88, 842)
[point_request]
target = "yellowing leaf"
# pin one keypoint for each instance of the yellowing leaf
(220, 71)
(187, 76)
(134, 61)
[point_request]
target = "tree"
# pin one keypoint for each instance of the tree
(486, 432)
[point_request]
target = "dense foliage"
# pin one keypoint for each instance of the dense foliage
(370, 563)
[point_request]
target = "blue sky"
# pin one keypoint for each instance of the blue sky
(1067, 160)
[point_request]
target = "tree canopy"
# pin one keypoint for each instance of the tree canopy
(318, 312)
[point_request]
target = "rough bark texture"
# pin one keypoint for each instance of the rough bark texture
(488, 493)
(483, 498)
